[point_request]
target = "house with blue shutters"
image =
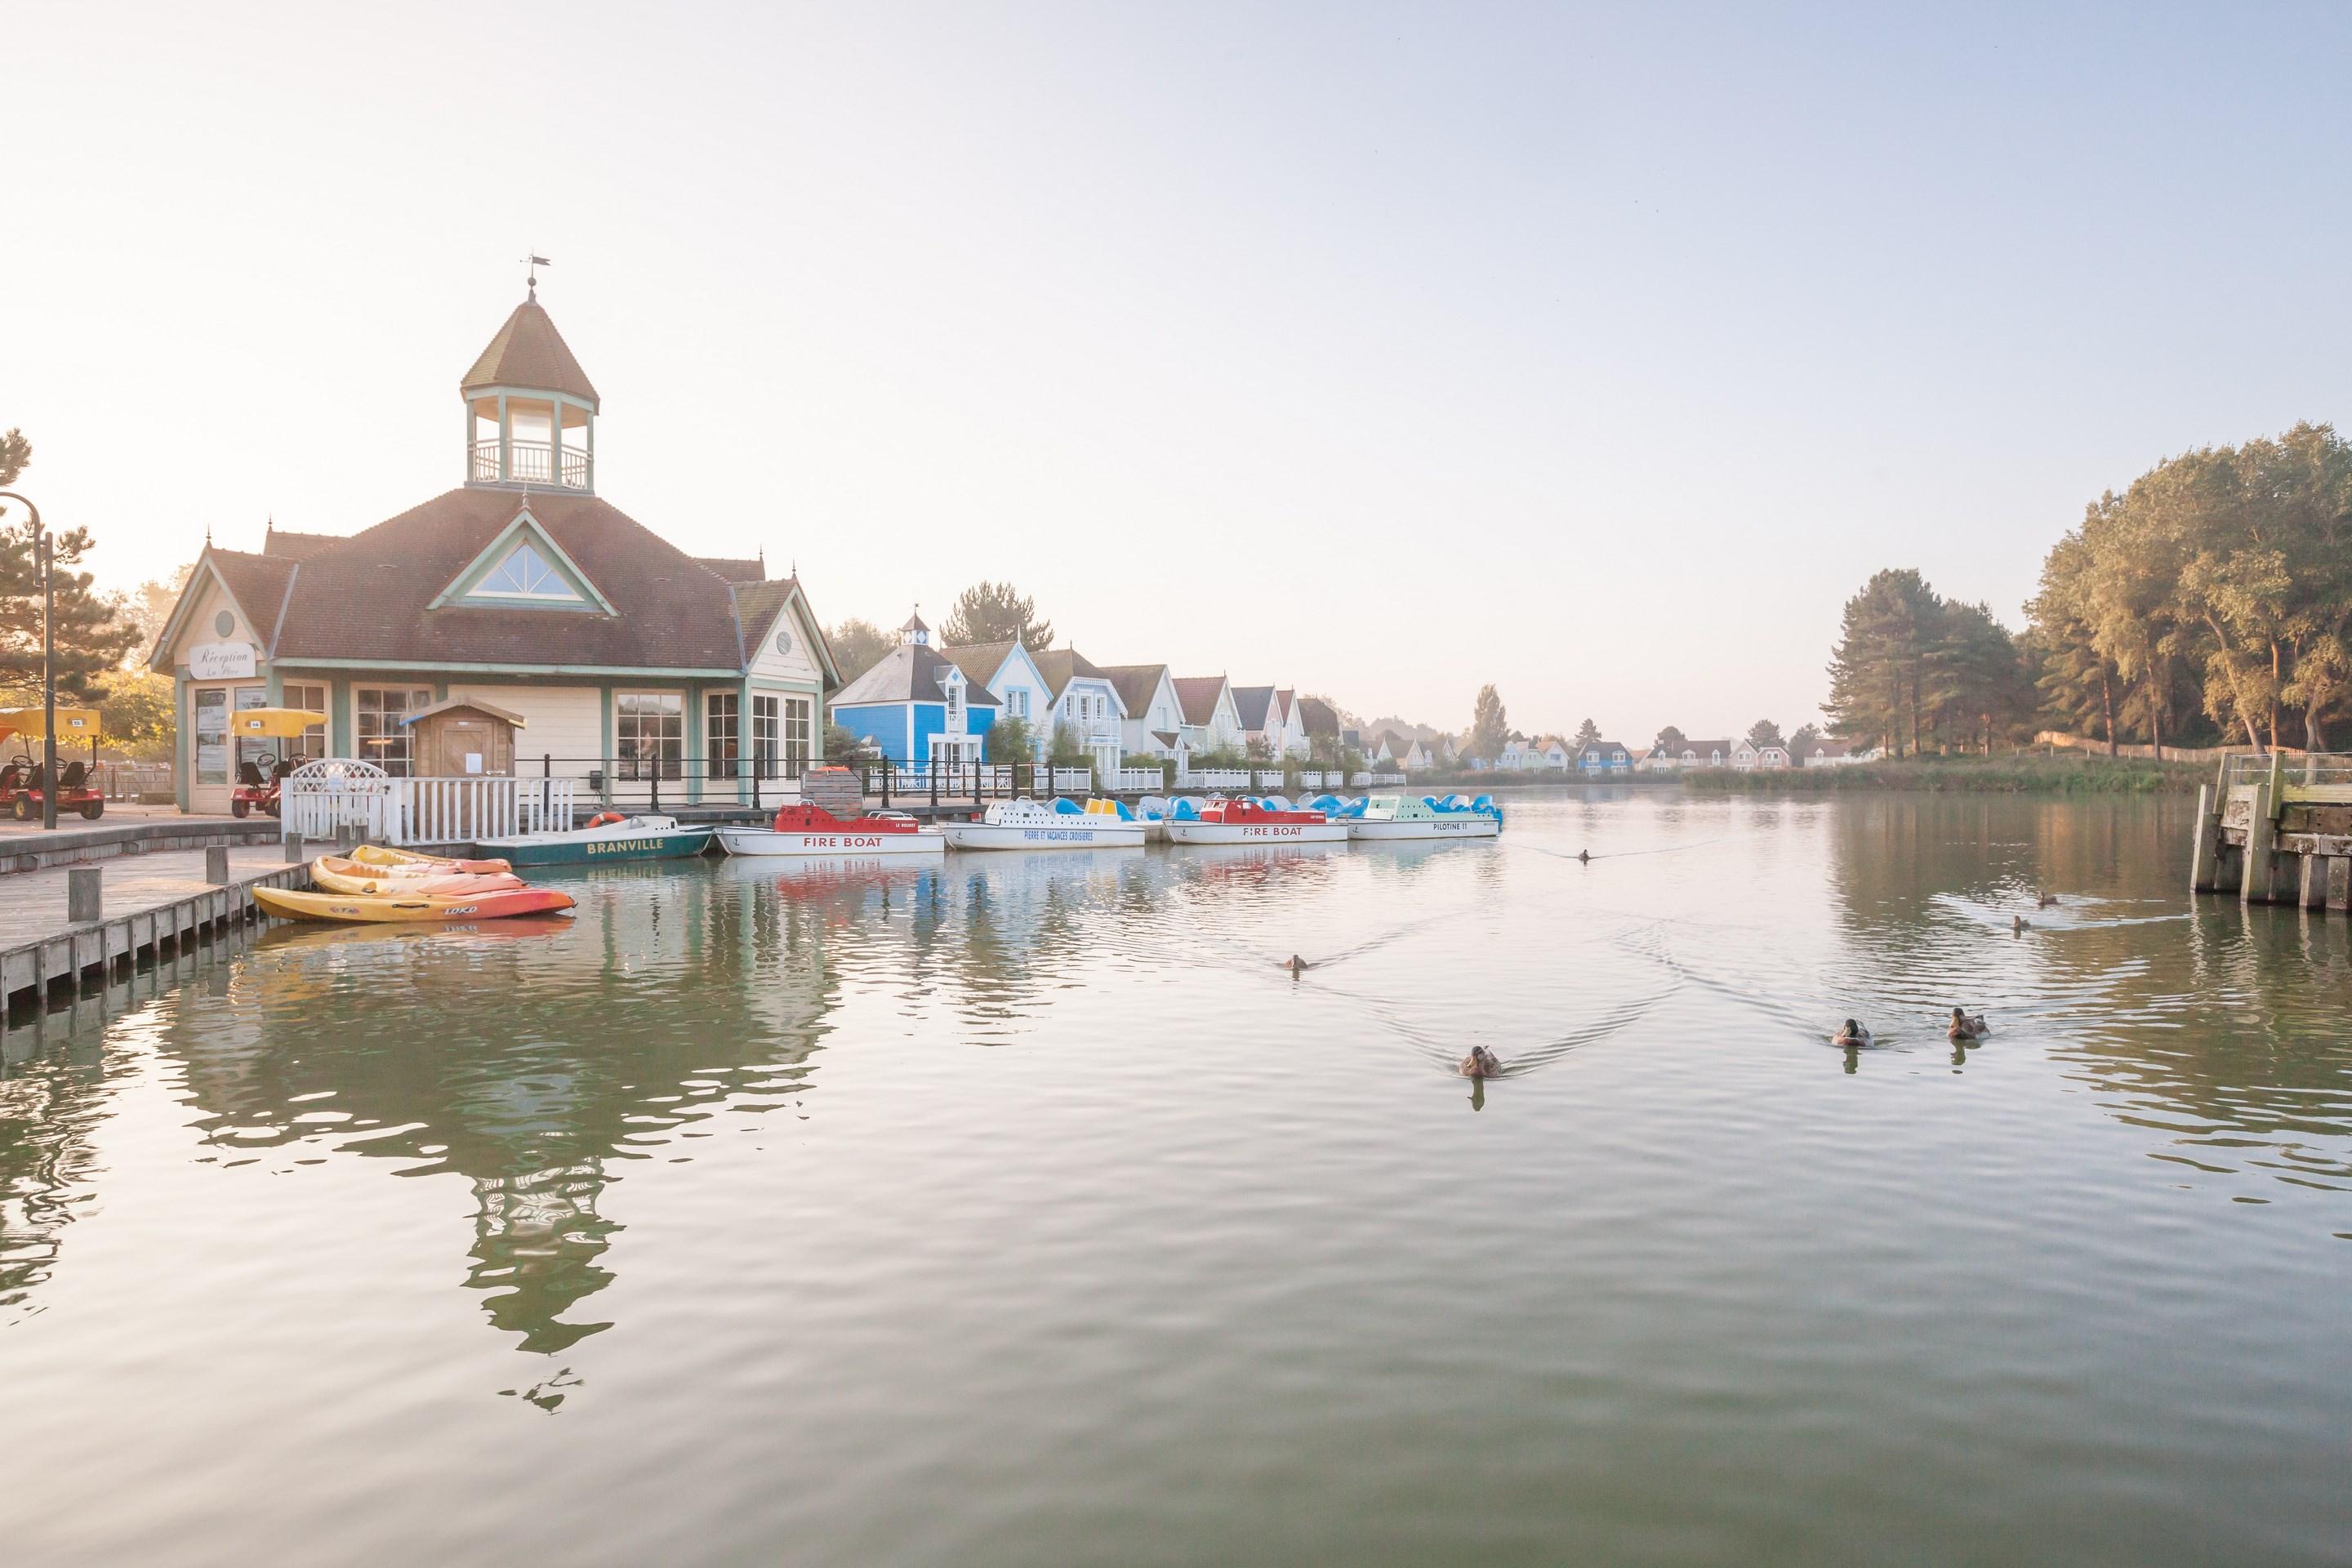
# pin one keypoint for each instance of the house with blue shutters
(917, 706)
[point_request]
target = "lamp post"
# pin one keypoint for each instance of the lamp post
(49, 661)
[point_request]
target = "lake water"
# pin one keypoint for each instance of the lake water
(1022, 1210)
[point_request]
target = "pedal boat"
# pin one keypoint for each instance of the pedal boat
(1246, 821)
(1389, 817)
(812, 830)
(385, 855)
(334, 874)
(609, 837)
(402, 908)
(1027, 824)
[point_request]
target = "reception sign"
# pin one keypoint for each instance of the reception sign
(221, 661)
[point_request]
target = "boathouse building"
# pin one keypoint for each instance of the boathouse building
(555, 632)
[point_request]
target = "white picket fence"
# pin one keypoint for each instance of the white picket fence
(1215, 778)
(337, 795)
(1137, 781)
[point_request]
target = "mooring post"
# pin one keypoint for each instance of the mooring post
(2256, 882)
(216, 865)
(83, 884)
(2208, 840)
(2339, 883)
(2312, 894)
(296, 851)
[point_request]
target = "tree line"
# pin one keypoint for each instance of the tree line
(2209, 601)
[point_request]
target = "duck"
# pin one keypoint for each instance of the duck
(2047, 900)
(1964, 1028)
(1854, 1033)
(1296, 965)
(1481, 1063)
(2019, 923)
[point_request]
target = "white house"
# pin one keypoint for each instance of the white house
(1211, 720)
(1085, 700)
(1007, 671)
(1555, 753)
(1748, 756)
(1706, 755)
(1824, 752)
(1153, 725)
(1418, 758)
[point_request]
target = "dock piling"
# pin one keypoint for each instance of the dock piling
(296, 851)
(216, 865)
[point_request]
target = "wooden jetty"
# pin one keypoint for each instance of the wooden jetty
(2276, 830)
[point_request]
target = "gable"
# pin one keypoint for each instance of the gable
(523, 568)
(198, 617)
(784, 650)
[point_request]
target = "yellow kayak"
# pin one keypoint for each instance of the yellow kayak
(384, 855)
(334, 874)
(500, 904)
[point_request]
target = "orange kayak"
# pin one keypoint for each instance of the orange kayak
(336, 874)
(385, 855)
(404, 907)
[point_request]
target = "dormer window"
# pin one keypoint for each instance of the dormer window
(525, 573)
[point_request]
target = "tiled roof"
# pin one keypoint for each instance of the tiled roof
(367, 597)
(1251, 702)
(529, 352)
(735, 569)
(293, 546)
(1135, 683)
(909, 673)
(1320, 717)
(981, 661)
(1060, 666)
(1197, 695)
(258, 584)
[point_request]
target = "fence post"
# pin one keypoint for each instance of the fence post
(654, 788)
(888, 767)
(934, 770)
(83, 894)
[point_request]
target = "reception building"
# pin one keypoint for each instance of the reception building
(518, 622)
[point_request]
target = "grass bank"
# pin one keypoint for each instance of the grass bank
(2021, 773)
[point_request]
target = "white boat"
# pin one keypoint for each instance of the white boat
(1393, 816)
(1253, 821)
(608, 836)
(1025, 825)
(812, 830)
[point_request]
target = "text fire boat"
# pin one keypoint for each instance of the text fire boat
(1253, 822)
(812, 830)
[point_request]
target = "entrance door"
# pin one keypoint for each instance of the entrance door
(209, 752)
(467, 744)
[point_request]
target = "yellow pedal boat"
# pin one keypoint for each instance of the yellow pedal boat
(334, 874)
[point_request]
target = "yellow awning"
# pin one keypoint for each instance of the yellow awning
(73, 723)
(282, 723)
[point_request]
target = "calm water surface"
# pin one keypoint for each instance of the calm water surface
(1023, 1210)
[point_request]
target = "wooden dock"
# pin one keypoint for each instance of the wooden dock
(153, 907)
(2276, 830)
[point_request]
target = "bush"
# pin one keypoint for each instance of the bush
(2015, 773)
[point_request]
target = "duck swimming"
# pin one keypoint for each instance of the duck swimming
(1854, 1033)
(2048, 901)
(2019, 923)
(1481, 1063)
(1965, 1028)
(1296, 965)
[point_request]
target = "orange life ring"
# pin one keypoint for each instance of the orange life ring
(606, 819)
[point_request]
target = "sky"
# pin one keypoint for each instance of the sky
(1598, 353)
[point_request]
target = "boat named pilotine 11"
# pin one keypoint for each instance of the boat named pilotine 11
(1386, 817)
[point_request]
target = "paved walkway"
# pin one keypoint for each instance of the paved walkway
(32, 903)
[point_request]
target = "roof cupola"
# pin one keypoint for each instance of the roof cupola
(914, 633)
(530, 412)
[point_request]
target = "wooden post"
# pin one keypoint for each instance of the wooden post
(2312, 894)
(216, 865)
(2339, 883)
(296, 850)
(2256, 883)
(2209, 838)
(83, 894)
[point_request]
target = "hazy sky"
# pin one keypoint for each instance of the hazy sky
(1383, 351)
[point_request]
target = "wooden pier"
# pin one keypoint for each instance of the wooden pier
(2276, 830)
(150, 908)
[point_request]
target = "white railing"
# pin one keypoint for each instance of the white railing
(1360, 780)
(1215, 778)
(1074, 781)
(337, 797)
(1137, 781)
(1269, 778)
(453, 810)
(1385, 778)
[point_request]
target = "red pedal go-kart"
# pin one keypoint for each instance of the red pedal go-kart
(259, 780)
(22, 787)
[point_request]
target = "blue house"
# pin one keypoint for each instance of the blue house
(1604, 757)
(917, 706)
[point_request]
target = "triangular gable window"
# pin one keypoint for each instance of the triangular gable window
(525, 573)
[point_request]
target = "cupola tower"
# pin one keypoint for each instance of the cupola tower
(531, 413)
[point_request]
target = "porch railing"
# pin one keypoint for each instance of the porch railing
(532, 462)
(386, 810)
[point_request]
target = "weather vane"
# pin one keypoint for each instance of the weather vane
(534, 262)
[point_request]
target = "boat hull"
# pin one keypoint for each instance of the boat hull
(1071, 831)
(1444, 828)
(1256, 832)
(520, 852)
(362, 908)
(825, 841)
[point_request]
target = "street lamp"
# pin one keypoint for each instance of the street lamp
(48, 662)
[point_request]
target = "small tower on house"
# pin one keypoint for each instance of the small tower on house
(531, 413)
(914, 633)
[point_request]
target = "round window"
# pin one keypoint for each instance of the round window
(225, 623)
(784, 641)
